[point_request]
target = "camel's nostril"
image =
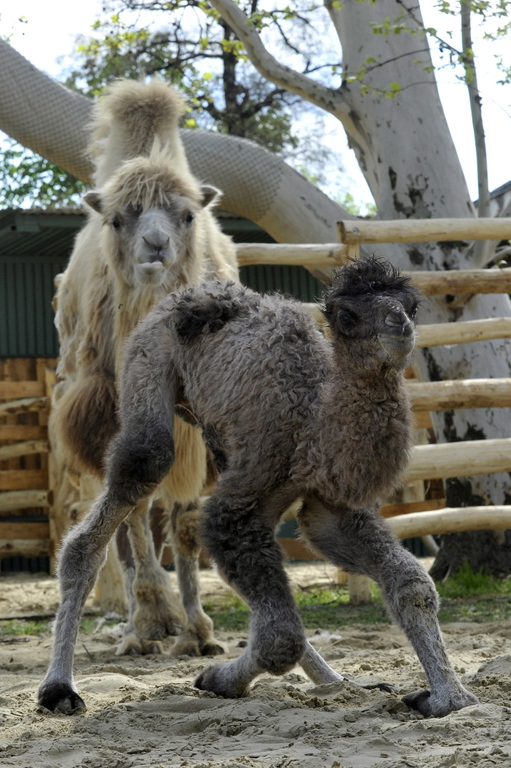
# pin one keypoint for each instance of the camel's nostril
(408, 329)
(395, 319)
(399, 323)
(156, 242)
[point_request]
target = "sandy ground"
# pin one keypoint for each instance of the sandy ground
(144, 711)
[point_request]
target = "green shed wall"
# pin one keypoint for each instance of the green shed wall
(26, 314)
(32, 252)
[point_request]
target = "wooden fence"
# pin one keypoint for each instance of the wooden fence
(25, 495)
(430, 462)
(25, 388)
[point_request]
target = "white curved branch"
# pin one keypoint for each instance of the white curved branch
(483, 251)
(330, 100)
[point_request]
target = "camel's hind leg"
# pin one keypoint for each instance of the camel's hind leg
(154, 609)
(239, 533)
(197, 639)
(180, 494)
(360, 542)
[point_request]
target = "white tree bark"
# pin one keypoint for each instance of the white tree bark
(483, 251)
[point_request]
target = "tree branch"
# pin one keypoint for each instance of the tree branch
(482, 251)
(330, 100)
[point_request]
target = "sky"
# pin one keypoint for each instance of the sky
(52, 26)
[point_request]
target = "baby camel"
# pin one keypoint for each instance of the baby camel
(287, 414)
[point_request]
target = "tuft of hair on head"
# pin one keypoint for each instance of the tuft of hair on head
(144, 182)
(368, 275)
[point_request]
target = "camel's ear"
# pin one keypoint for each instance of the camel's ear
(209, 195)
(93, 200)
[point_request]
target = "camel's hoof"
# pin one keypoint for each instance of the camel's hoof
(188, 644)
(215, 680)
(158, 630)
(212, 648)
(151, 647)
(418, 700)
(185, 646)
(131, 645)
(439, 705)
(60, 697)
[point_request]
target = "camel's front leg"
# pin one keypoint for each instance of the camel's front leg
(239, 533)
(197, 638)
(154, 609)
(360, 542)
(140, 456)
(80, 560)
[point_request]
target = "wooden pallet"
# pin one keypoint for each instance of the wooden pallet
(25, 493)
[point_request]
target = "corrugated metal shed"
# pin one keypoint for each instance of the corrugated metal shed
(35, 246)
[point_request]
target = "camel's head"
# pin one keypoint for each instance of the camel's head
(151, 218)
(371, 310)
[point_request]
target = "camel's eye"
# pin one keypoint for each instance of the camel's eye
(348, 319)
(116, 223)
(413, 312)
(189, 217)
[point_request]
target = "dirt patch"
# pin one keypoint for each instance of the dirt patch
(145, 712)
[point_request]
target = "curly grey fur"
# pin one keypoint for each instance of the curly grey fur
(293, 415)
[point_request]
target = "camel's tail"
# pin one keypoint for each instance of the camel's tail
(142, 454)
(128, 119)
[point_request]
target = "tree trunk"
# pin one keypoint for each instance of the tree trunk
(414, 172)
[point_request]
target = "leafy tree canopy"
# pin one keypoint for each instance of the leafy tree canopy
(188, 44)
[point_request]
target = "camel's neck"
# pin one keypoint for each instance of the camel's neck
(130, 307)
(356, 384)
(383, 395)
(383, 386)
(365, 435)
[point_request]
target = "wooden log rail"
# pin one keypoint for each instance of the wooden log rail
(358, 231)
(24, 404)
(292, 254)
(24, 499)
(27, 448)
(465, 393)
(455, 282)
(451, 520)
(40, 547)
(11, 390)
(462, 281)
(438, 334)
(466, 458)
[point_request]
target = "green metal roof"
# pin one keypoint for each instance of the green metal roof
(39, 234)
